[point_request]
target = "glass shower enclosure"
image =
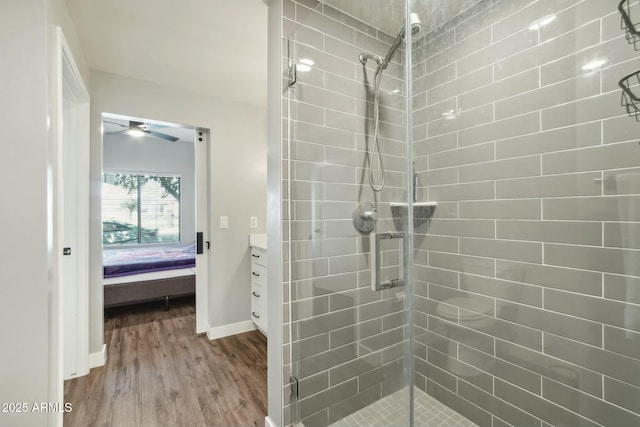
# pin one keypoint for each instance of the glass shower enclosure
(461, 211)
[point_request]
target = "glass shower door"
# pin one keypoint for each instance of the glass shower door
(348, 306)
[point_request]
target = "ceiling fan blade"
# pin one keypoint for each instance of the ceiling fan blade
(151, 126)
(162, 135)
(119, 124)
(146, 128)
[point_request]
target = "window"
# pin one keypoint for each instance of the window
(140, 208)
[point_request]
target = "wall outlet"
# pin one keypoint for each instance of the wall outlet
(254, 222)
(224, 222)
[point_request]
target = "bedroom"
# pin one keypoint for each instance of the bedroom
(148, 211)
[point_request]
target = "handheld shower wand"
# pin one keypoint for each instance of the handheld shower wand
(382, 64)
(416, 26)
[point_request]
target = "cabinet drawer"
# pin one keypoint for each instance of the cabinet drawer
(259, 256)
(256, 292)
(256, 314)
(256, 317)
(258, 274)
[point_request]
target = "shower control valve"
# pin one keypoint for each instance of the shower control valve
(371, 215)
(365, 217)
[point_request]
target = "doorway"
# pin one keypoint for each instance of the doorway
(153, 217)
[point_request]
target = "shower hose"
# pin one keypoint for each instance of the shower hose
(375, 147)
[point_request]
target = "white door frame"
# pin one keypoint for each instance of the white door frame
(202, 183)
(74, 131)
(203, 200)
(70, 115)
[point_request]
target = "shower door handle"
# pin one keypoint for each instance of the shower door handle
(293, 75)
(376, 260)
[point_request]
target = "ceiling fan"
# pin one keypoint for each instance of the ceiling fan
(140, 128)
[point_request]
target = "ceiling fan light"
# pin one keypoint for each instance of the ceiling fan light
(136, 132)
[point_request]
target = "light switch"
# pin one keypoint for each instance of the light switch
(224, 222)
(254, 222)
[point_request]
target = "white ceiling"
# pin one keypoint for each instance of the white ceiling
(214, 47)
(388, 15)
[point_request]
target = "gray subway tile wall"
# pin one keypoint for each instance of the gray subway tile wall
(537, 287)
(349, 345)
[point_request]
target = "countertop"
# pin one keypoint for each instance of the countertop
(258, 241)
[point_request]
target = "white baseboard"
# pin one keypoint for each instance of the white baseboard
(99, 358)
(268, 422)
(231, 329)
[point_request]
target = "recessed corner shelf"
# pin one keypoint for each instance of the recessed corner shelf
(415, 204)
(422, 211)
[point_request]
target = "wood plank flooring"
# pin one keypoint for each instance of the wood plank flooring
(159, 373)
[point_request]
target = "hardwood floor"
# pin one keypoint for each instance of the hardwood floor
(158, 373)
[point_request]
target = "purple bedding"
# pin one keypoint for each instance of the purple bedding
(137, 260)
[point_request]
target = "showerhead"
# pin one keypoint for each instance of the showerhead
(415, 23)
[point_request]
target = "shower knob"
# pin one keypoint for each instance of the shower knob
(365, 217)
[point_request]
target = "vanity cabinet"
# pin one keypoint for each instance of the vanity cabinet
(259, 288)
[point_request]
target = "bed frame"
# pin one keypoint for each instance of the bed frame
(137, 274)
(149, 290)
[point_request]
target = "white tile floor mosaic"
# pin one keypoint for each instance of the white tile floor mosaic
(392, 411)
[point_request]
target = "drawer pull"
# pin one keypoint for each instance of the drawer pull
(255, 256)
(255, 295)
(255, 274)
(253, 313)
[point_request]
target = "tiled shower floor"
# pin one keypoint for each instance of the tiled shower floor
(392, 411)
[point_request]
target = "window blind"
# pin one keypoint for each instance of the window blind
(140, 208)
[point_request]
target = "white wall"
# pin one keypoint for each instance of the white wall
(28, 365)
(238, 182)
(24, 284)
(148, 154)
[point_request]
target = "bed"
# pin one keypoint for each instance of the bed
(145, 273)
